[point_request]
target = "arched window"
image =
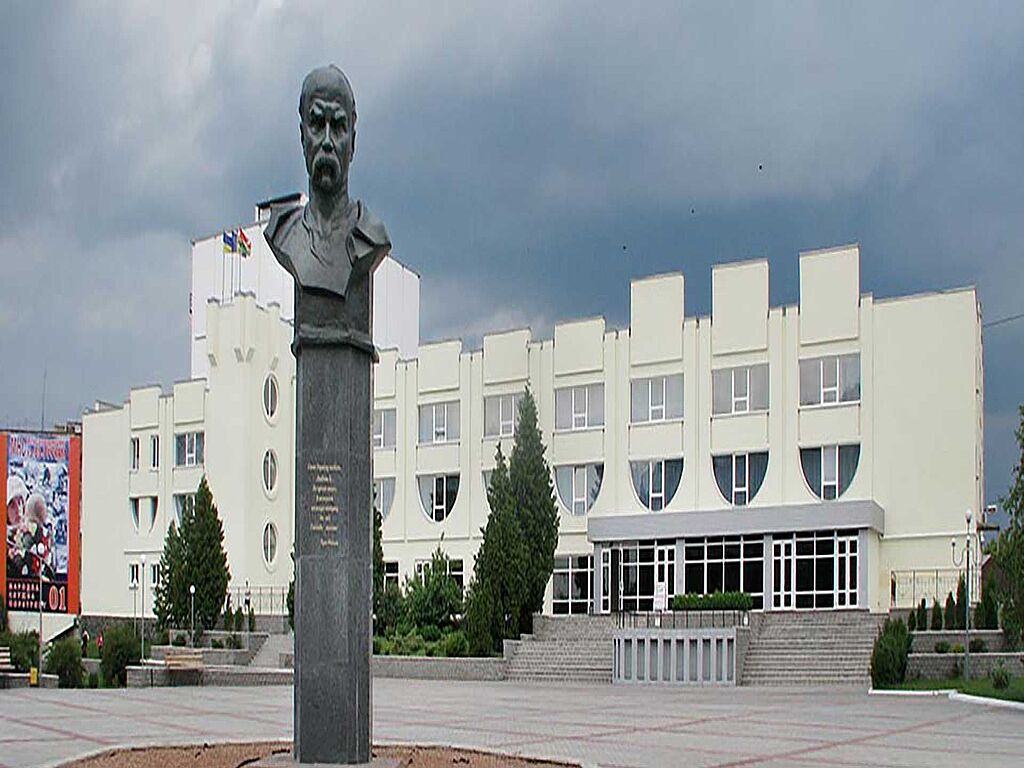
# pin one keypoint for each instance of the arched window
(384, 495)
(578, 486)
(740, 475)
(271, 396)
(437, 495)
(269, 543)
(270, 471)
(656, 481)
(830, 469)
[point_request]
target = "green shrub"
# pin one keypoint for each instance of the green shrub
(217, 643)
(912, 622)
(120, 650)
(1000, 677)
(65, 661)
(716, 601)
(978, 645)
(962, 609)
(252, 619)
(889, 654)
(233, 641)
(435, 599)
(94, 680)
(922, 615)
(291, 605)
(949, 613)
(24, 649)
(3, 616)
(179, 640)
(161, 637)
(455, 644)
(957, 648)
(411, 644)
(239, 619)
(986, 615)
(229, 615)
(936, 615)
(942, 647)
(430, 633)
(389, 610)
(379, 645)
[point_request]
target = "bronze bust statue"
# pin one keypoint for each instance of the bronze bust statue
(331, 245)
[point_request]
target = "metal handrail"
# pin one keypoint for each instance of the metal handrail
(693, 619)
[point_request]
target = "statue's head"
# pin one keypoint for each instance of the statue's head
(327, 124)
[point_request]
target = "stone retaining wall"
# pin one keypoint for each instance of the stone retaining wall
(10, 680)
(924, 642)
(211, 656)
(438, 668)
(158, 676)
(946, 665)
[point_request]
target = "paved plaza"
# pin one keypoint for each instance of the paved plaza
(596, 725)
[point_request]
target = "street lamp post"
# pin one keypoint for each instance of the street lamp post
(192, 621)
(966, 559)
(142, 613)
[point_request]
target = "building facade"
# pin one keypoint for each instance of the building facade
(817, 456)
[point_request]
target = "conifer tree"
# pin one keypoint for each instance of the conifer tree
(961, 603)
(535, 506)
(378, 557)
(496, 595)
(193, 554)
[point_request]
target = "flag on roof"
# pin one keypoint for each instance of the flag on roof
(244, 243)
(230, 242)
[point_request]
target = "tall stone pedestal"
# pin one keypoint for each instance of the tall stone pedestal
(333, 556)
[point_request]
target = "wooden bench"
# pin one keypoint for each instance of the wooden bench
(5, 659)
(188, 659)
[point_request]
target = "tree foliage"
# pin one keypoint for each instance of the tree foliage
(961, 603)
(498, 592)
(936, 615)
(889, 654)
(535, 506)
(378, 557)
(193, 555)
(922, 615)
(433, 601)
(949, 614)
(1009, 550)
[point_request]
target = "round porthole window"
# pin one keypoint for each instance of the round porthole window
(270, 396)
(270, 471)
(269, 543)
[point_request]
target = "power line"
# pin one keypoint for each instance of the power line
(1003, 320)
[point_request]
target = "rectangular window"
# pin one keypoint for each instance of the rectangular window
(133, 574)
(724, 563)
(439, 422)
(454, 568)
(656, 399)
(579, 407)
(739, 390)
(830, 379)
(390, 573)
(572, 584)
(384, 428)
(579, 490)
(154, 451)
(740, 485)
(154, 574)
(500, 415)
(829, 472)
(133, 454)
(188, 449)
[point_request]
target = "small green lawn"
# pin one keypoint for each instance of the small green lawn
(982, 687)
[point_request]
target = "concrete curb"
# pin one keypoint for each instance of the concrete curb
(953, 695)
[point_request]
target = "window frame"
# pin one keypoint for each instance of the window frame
(392, 573)
(739, 459)
(834, 391)
(154, 451)
(741, 404)
(506, 422)
(190, 449)
(656, 413)
(271, 400)
(566, 567)
(271, 472)
(135, 511)
(381, 437)
(133, 575)
(435, 507)
(269, 528)
(134, 453)
(441, 433)
(580, 420)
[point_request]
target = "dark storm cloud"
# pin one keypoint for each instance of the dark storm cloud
(513, 153)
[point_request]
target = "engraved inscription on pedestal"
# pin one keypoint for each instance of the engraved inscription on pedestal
(323, 517)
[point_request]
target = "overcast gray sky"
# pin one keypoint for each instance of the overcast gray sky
(513, 152)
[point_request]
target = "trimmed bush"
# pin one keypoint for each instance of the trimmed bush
(962, 609)
(922, 615)
(94, 680)
(234, 642)
(936, 615)
(949, 613)
(889, 654)
(217, 643)
(957, 648)
(390, 609)
(978, 645)
(430, 633)
(120, 650)
(179, 640)
(65, 661)
(24, 649)
(942, 647)
(252, 619)
(239, 619)
(912, 622)
(1000, 677)
(229, 615)
(455, 644)
(716, 601)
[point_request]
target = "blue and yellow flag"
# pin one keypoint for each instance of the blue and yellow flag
(230, 242)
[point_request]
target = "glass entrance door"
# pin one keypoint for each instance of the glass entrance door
(664, 576)
(783, 574)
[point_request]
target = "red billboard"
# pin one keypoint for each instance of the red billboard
(41, 473)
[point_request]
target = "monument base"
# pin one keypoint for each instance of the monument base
(284, 760)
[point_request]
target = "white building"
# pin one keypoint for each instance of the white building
(813, 455)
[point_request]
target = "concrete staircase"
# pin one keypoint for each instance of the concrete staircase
(812, 648)
(574, 649)
(269, 655)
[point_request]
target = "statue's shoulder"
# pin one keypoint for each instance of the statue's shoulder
(282, 221)
(371, 228)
